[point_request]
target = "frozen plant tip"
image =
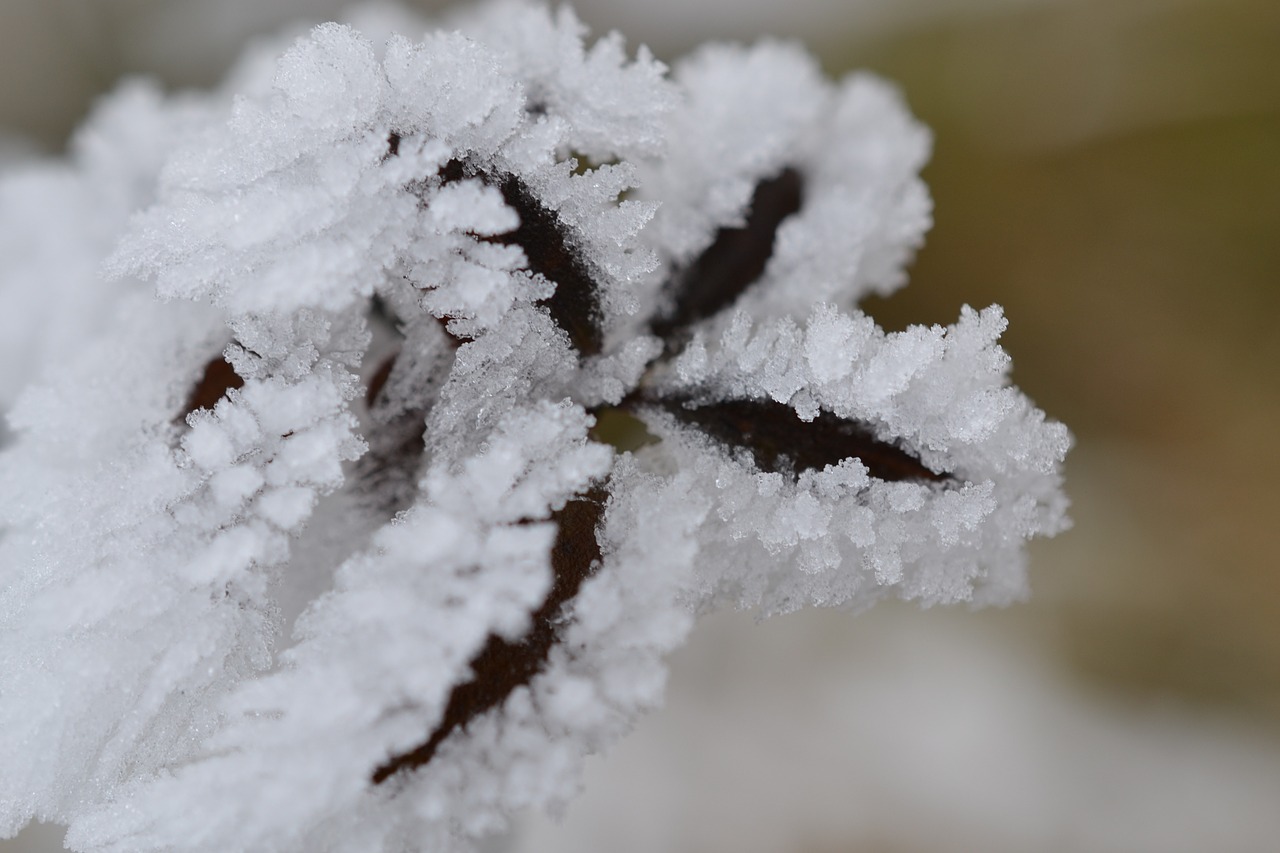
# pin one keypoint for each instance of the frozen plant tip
(482, 362)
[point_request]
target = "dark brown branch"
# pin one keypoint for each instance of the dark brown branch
(779, 441)
(218, 378)
(550, 252)
(379, 380)
(502, 666)
(575, 305)
(735, 259)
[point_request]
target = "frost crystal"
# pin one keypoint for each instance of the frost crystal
(335, 546)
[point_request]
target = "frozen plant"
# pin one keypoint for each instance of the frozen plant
(437, 385)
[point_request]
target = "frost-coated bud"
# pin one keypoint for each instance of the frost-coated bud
(435, 384)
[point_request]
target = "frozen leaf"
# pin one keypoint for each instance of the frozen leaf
(326, 548)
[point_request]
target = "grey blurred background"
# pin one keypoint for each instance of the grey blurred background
(1109, 171)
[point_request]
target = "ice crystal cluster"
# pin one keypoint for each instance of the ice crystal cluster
(380, 421)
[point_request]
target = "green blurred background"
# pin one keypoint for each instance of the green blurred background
(1109, 171)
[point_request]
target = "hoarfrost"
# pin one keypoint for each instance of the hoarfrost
(336, 519)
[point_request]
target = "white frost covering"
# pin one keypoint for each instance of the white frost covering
(751, 112)
(120, 634)
(608, 669)
(375, 657)
(941, 392)
(58, 220)
(432, 262)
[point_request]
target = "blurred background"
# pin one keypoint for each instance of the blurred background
(1109, 171)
